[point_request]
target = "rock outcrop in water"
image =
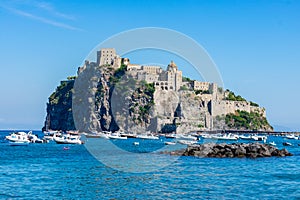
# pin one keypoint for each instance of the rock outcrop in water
(252, 150)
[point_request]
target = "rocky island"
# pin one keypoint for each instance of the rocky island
(224, 150)
(113, 94)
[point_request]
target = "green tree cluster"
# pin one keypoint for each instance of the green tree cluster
(246, 120)
(232, 97)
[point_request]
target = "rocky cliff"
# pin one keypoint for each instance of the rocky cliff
(109, 98)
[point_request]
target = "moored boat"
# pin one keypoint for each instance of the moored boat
(187, 142)
(68, 139)
(170, 143)
(287, 144)
(292, 136)
(117, 136)
(187, 137)
(272, 143)
(228, 136)
(18, 138)
(245, 137)
(147, 137)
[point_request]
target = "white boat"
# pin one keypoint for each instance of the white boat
(245, 137)
(136, 143)
(228, 136)
(50, 135)
(172, 136)
(117, 136)
(68, 139)
(272, 143)
(147, 137)
(206, 135)
(259, 137)
(170, 143)
(187, 142)
(97, 135)
(287, 144)
(291, 136)
(34, 138)
(18, 138)
(128, 135)
(187, 137)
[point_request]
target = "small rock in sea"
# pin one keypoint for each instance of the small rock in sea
(252, 150)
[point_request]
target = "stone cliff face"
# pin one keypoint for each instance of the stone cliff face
(103, 98)
(59, 108)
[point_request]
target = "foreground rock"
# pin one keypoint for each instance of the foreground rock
(252, 150)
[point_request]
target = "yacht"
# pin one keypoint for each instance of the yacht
(245, 137)
(117, 136)
(291, 136)
(172, 136)
(206, 135)
(128, 135)
(34, 138)
(97, 135)
(187, 142)
(170, 143)
(259, 137)
(187, 137)
(68, 139)
(147, 137)
(18, 138)
(50, 135)
(228, 136)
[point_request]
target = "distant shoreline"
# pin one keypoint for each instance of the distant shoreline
(252, 132)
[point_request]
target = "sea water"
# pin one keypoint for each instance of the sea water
(48, 171)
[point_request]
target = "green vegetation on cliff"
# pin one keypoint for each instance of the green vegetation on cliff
(246, 120)
(59, 108)
(232, 97)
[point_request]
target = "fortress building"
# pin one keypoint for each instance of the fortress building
(188, 106)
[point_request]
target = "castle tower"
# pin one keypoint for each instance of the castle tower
(174, 76)
(108, 56)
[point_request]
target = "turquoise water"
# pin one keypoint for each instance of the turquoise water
(46, 171)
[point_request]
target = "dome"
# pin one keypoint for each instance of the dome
(172, 66)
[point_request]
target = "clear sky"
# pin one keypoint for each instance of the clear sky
(255, 44)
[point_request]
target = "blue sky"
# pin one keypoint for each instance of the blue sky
(255, 44)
